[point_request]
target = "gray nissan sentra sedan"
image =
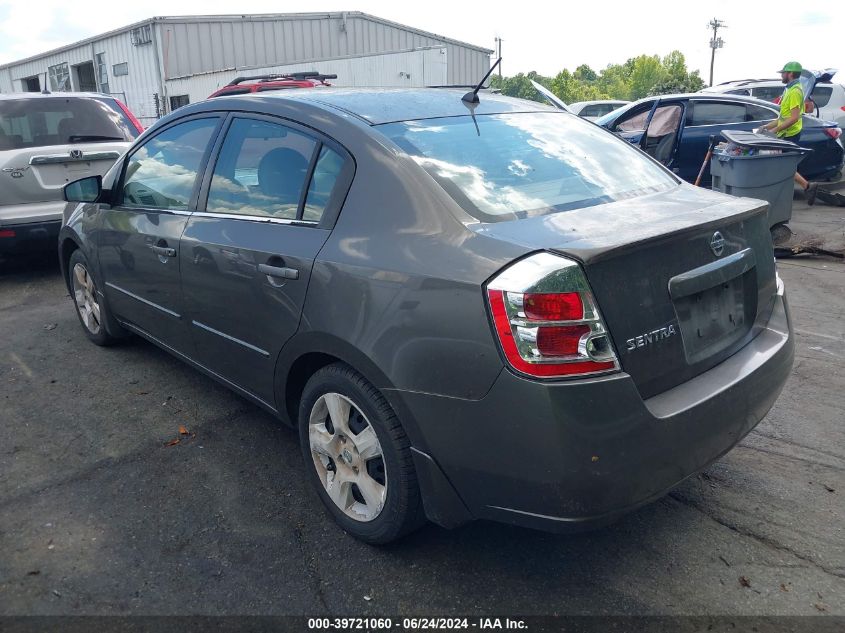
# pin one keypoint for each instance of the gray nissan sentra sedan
(488, 311)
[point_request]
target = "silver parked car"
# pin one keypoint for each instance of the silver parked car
(592, 110)
(46, 141)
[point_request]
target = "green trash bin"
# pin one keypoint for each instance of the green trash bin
(758, 166)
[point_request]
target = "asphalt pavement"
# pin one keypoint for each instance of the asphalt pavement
(102, 511)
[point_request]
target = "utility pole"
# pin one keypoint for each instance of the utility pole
(499, 53)
(715, 42)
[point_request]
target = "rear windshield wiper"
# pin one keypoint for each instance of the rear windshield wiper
(82, 138)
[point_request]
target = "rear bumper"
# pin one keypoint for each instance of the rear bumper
(34, 236)
(30, 213)
(573, 455)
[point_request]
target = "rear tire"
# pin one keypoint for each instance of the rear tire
(358, 456)
(90, 307)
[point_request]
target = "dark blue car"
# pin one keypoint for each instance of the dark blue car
(676, 129)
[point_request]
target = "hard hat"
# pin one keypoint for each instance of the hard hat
(791, 67)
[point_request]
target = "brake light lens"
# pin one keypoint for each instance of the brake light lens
(558, 306)
(7, 233)
(546, 319)
(130, 116)
(833, 132)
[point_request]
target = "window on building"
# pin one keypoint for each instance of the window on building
(121, 69)
(31, 84)
(141, 35)
(59, 77)
(177, 101)
(102, 72)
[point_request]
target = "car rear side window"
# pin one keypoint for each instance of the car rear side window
(526, 164)
(759, 113)
(821, 95)
(162, 173)
(767, 93)
(592, 110)
(326, 173)
(715, 113)
(47, 121)
(261, 170)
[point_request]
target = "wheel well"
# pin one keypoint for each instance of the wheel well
(68, 246)
(302, 369)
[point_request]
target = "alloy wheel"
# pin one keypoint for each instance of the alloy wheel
(348, 457)
(85, 296)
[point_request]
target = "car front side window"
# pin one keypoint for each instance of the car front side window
(162, 173)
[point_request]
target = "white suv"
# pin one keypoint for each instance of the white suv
(829, 97)
(47, 141)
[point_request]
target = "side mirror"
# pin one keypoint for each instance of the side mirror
(84, 190)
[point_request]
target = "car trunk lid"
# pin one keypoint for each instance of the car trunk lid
(37, 174)
(683, 279)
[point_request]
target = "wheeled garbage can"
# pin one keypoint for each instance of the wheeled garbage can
(758, 166)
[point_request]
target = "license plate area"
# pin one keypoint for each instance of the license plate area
(717, 317)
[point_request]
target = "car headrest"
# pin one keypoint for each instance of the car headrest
(281, 174)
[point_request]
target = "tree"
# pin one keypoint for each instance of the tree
(520, 85)
(585, 73)
(677, 78)
(638, 77)
(646, 72)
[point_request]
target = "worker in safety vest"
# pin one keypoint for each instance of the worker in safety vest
(788, 125)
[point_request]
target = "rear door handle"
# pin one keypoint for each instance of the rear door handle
(281, 272)
(164, 251)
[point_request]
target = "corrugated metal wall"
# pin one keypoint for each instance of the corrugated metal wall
(197, 46)
(141, 83)
(187, 47)
(137, 88)
(6, 80)
(409, 69)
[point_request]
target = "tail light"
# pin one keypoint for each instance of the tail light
(130, 116)
(7, 233)
(546, 319)
(833, 132)
(842, 108)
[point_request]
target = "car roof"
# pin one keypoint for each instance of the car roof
(54, 95)
(376, 106)
(707, 96)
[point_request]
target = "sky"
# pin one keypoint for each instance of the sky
(541, 36)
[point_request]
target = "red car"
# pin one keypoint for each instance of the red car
(263, 83)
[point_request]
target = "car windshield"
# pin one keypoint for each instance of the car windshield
(527, 164)
(613, 115)
(40, 122)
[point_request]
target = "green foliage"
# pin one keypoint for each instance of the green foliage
(638, 77)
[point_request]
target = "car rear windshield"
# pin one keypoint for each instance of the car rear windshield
(502, 167)
(61, 121)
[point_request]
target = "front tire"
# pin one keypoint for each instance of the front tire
(90, 308)
(358, 456)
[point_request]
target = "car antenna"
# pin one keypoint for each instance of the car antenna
(472, 97)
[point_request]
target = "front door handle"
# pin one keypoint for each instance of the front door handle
(164, 251)
(281, 272)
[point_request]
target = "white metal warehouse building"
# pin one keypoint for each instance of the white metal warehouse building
(162, 63)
